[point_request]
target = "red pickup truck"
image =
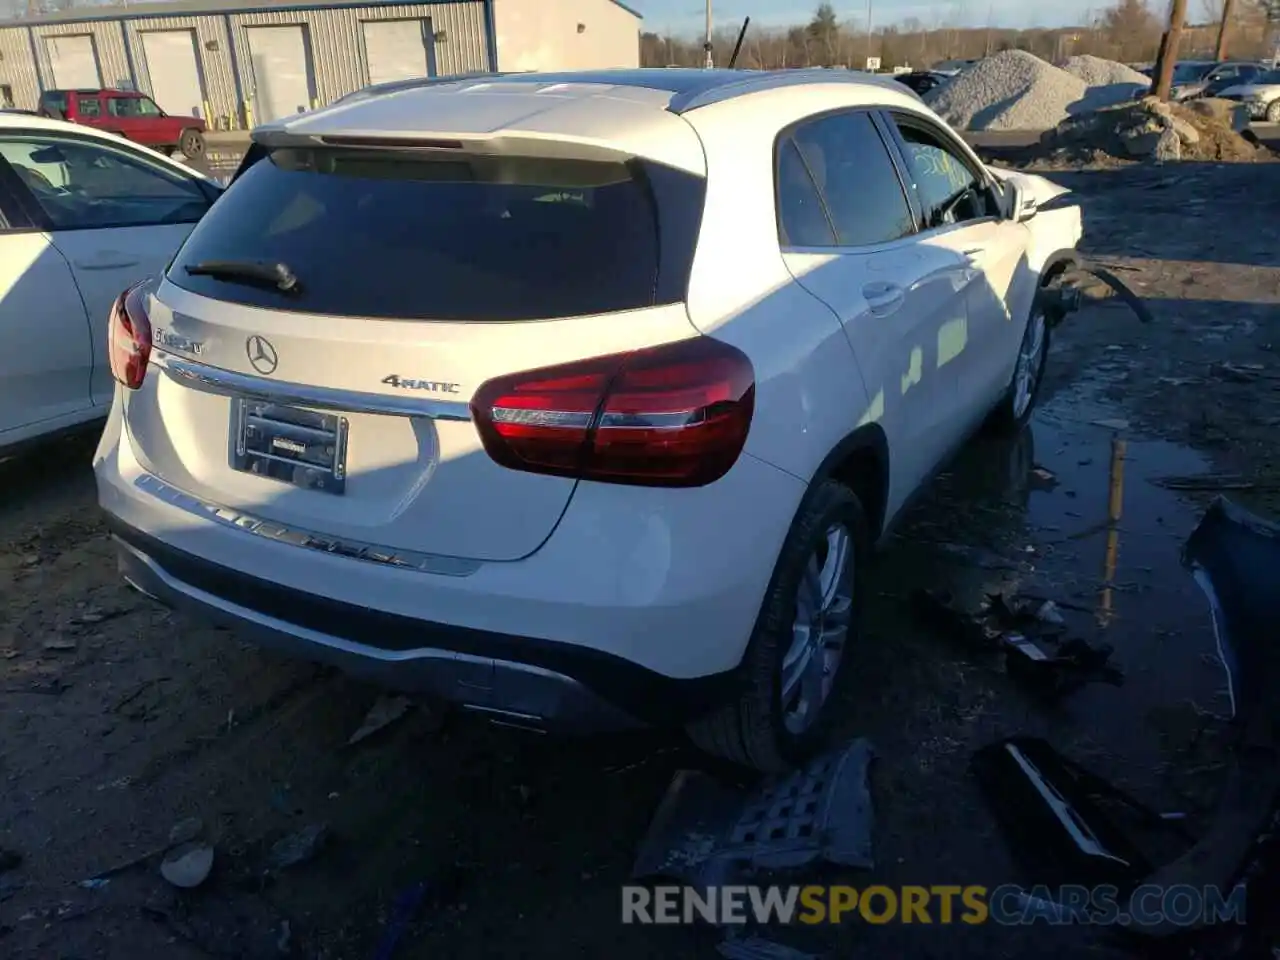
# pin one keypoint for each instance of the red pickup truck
(132, 115)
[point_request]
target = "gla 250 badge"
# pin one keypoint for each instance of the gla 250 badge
(431, 386)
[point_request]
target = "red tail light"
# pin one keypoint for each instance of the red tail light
(670, 416)
(129, 338)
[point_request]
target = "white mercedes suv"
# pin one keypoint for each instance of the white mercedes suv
(576, 399)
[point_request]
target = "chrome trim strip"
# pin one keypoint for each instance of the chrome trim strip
(201, 376)
(297, 537)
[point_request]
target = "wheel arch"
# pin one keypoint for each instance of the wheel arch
(861, 462)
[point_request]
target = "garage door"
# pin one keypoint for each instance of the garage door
(74, 62)
(396, 49)
(175, 77)
(282, 85)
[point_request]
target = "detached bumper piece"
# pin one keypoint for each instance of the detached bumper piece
(1063, 821)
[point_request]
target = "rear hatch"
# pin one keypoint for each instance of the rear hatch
(418, 275)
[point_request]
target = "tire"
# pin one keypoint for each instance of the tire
(1019, 400)
(756, 729)
(191, 143)
(1273, 111)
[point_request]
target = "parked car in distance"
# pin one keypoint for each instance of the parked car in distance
(82, 215)
(1191, 78)
(949, 68)
(128, 114)
(921, 81)
(584, 409)
(1261, 96)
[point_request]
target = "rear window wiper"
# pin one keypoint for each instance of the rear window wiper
(276, 275)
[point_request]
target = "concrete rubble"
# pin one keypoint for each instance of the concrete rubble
(1149, 129)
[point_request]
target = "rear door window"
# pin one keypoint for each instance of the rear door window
(83, 185)
(857, 197)
(414, 235)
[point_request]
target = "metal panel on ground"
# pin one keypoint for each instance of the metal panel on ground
(174, 72)
(74, 61)
(281, 78)
(396, 49)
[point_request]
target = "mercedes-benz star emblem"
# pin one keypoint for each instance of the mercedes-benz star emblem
(262, 355)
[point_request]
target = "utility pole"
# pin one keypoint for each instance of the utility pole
(869, 2)
(1169, 50)
(1228, 11)
(707, 43)
(991, 16)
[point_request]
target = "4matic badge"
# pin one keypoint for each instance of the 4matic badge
(431, 386)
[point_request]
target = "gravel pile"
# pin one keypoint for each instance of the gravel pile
(1109, 83)
(1097, 72)
(1012, 90)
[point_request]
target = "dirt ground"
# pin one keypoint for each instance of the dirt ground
(119, 720)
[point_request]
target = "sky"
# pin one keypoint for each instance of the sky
(688, 16)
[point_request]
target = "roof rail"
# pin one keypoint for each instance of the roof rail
(396, 86)
(752, 81)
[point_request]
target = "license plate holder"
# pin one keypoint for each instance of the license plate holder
(295, 445)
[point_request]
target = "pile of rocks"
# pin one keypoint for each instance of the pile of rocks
(1149, 129)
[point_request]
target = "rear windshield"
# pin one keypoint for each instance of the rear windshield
(432, 235)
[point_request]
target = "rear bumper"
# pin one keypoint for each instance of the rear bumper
(522, 680)
(637, 609)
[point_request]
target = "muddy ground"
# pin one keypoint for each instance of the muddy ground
(118, 719)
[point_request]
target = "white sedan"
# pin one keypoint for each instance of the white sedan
(83, 215)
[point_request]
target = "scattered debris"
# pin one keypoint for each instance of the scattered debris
(1054, 675)
(1224, 481)
(1046, 478)
(1060, 818)
(93, 883)
(1237, 372)
(705, 832)
(188, 865)
(284, 942)
(58, 644)
(298, 847)
(385, 711)
(756, 948)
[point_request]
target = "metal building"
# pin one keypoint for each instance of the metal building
(241, 62)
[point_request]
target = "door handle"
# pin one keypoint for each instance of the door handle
(108, 260)
(884, 298)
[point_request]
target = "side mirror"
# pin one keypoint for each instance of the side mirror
(1020, 206)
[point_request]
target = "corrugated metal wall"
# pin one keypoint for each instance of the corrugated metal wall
(216, 74)
(108, 43)
(17, 68)
(336, 40)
